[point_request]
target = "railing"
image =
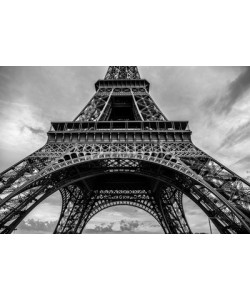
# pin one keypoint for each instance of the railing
(121, 126)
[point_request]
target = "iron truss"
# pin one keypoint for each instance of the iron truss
(168, 168)
(122, 73)
(28, 183)
(98, 107)
(79, 206)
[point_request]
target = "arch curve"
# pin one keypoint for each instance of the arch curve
(132, 204)
(181, 181)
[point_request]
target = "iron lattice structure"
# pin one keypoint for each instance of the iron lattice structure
(122, 150)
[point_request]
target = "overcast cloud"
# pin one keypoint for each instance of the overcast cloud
(215, 100)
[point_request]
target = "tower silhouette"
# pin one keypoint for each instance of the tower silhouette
(122, 150)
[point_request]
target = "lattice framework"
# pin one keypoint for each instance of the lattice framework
(179, 166)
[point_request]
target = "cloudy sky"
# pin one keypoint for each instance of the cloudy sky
(215, 100)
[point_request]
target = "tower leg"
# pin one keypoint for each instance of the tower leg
(77, 201)
(17, 208)
(170, 202)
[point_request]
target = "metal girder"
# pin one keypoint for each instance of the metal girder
(99, 107)
(79, 209)
(223, 214)
(172, 210)
(76, 203)
(122, 73)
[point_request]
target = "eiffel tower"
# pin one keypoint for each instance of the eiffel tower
(122, 150)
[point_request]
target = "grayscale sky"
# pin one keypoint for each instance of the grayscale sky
(215, 100)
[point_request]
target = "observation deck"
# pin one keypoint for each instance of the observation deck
(119, 132)
(122, 83)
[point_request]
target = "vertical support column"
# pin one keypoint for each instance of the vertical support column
(172, 210)
(135, 103)
(75, 203)
(105, 106)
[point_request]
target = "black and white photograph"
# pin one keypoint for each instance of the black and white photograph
(127, 161)
(119, 181)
